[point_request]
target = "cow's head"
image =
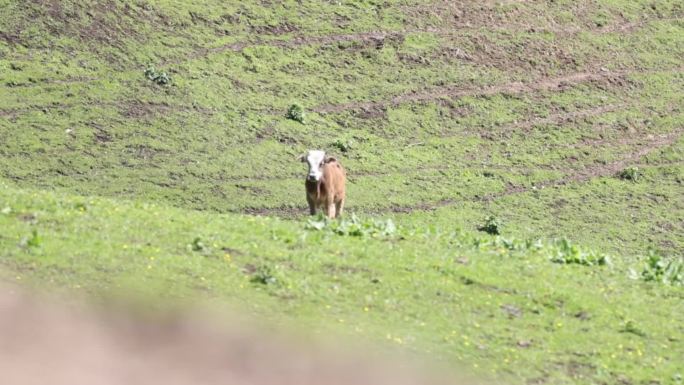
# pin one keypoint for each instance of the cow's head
(315, 160)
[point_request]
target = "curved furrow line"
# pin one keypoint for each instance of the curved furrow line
(557, 119)
(378, 37)
(542, 84)
(44, 82)
(297, 41)
(450, 91)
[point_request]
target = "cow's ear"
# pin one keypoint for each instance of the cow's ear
(330, 159)
(302, 158)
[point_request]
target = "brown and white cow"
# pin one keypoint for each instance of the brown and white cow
(325, 183)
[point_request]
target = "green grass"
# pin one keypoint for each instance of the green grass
(443, 116)
(497, 304)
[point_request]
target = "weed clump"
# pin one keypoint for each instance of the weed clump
(198, 245)
(663, 270)
(34, 240)
(631, 327)
(492, 225)
(160, 78)
(567, 253)
(343, 145)
(630, 173)
(353, 226)
(296, 113)
(264, 276)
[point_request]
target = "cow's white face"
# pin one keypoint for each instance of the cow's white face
(315, 159)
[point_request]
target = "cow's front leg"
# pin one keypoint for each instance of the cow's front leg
(312, 205)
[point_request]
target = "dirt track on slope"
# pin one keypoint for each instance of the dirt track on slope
(642, 148)
(46, 342)
(379, 38)
(451, 91)
(542, 84)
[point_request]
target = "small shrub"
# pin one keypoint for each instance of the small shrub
(566, 253)
(630, 173)
(491, 226)
(296, 113)
(161, 78)
(664, 270)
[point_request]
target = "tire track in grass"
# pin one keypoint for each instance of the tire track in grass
(124, 107)
(578, 176)
(377, 38)
(450, 91)
(49, 82)
(553, 119)
(454, 92)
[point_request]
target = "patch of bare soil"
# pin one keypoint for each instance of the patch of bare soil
(542, 84)
(455, 19)
(42, 82)
(279, 29)
(498, 16)
(642, 148)
(527, 125)
(377, 39)
(9, 37)
(47, 342)
(105, 23)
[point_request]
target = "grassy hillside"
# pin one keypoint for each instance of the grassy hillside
(469, 108)
(541, 311)
(131, 128)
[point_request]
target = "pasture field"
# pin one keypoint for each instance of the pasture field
(145, 146)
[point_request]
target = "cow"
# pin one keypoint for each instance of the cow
(325, 183)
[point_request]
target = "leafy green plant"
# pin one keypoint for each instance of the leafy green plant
(630, 173)
(296, 113)
(264, 275)
(664, 270)
(631, 327)
(198, 245)
(353, 226)
(492, 225)
(343, 145)
(34, 240)
(161, 78)
(567, 253)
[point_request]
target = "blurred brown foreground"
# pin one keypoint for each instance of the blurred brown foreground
(51, 342)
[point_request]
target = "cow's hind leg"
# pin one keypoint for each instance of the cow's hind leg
(339, 206)
(331, 210)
